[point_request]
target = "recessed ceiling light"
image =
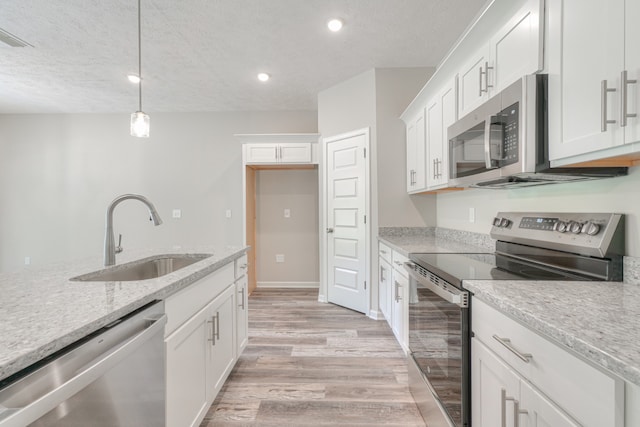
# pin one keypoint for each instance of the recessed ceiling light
(335, 25)
(263, 77)
(133, 78)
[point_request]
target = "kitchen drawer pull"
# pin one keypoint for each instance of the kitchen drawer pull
(624, 84)
(480, 81)
(604, 91)
(525, 357)
(397, 286)
(215, 328)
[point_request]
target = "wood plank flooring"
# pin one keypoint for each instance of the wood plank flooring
(314, 364)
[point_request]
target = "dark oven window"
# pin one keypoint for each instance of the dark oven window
(435, 341)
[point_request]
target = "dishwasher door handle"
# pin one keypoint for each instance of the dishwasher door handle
(95, 369)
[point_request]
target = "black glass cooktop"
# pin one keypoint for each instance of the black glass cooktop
(454, 268)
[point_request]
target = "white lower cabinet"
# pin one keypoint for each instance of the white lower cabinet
(500, 397)
(242, 314)
(398, 311)
(384, 288)
(520, 378)
(206, 331)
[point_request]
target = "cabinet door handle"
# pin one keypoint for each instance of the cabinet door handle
(480, 81)
(503, 407)
(525, 357)
(486, 76)
(624, 84)
(604, 91)
(517, 412)
(382, 279)
(397, 289)
(242, 293)
(215, 328)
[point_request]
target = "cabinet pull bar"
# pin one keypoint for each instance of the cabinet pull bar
(503, 407)
(213, 331)
(242, 292)
(480, 81)
(217, 325)
(486, 77)
(517, 412)
(604, 90)
(624, 84)
(525, 357)
(397, 286)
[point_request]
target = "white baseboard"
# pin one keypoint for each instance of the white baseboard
(313, 285)
(322, 298)
(376, 315)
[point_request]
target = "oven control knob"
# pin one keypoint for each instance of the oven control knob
(560, 226)
(575, 227)
(590, 228)
(504, 222)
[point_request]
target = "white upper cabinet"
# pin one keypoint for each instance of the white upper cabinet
(416, 153)
(594, 54)
(441, 113)
(586, 88)
(515, 50)
(278, 153)
(279, 149)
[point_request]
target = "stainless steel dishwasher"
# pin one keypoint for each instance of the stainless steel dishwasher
(114, 377)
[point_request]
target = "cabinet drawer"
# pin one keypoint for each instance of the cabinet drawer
(185, 303)
(241, 266)
(589, 395)
(398, 261)
(384, 251)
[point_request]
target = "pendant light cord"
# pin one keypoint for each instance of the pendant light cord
(139, 60)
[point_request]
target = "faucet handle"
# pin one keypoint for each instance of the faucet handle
(119, 247)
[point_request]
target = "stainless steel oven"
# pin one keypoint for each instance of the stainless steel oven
(530, 246)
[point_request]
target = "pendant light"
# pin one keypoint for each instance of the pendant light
(139, 120)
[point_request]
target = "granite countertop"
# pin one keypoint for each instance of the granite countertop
(429, 242)
(42, 311)
(599, 321)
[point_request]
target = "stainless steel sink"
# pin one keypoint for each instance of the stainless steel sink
(148, 268)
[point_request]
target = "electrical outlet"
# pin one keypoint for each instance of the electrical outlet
(227, 213)
(177, 213)
(287, 213)
(472, 214)
(27, 260)
(280, 258)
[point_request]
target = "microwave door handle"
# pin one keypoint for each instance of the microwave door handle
(489, 129)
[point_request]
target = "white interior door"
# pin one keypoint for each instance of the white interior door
(346, 221)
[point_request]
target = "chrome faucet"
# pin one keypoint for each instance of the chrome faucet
(110, 249)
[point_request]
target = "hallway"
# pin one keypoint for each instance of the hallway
(309, 363)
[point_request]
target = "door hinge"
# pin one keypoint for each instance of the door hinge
(365, 153)
(365, 219)
(365, 285)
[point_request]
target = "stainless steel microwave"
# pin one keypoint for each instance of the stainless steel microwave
(504, 142)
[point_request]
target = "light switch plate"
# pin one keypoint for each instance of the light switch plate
(287, 213)
(177, 213)
(227, 213)
(279, 257)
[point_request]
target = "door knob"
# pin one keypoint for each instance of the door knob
(329, 230)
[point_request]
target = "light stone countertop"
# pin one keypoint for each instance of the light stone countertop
(41, 311)
(599, 321)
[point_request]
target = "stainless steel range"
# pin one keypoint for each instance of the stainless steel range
(530, 246)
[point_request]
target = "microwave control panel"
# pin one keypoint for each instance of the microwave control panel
(508, 118)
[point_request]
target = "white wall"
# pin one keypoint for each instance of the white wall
(619, 195)
(58, 173)
(295, 237)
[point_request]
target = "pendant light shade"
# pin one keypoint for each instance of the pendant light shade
(140, 122)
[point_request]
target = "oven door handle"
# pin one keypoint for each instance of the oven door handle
(449, 293)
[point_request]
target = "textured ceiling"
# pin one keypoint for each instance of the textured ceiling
(203, 55)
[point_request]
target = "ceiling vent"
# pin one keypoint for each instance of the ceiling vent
(11, 40)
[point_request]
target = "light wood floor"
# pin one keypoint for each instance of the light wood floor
(314, 364)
